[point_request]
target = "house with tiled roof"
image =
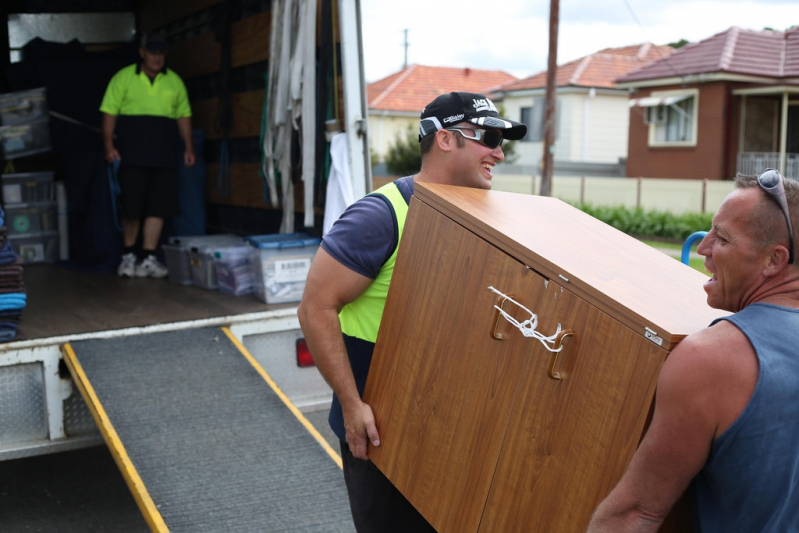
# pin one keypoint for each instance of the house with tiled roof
(727, 104)
(396, 101)
(592, 112)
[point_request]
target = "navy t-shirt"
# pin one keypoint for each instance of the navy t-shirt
(363, 239)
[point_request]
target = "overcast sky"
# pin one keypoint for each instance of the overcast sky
(512, 35)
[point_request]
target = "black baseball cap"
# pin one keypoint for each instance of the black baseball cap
(153, 41)
(449, 109)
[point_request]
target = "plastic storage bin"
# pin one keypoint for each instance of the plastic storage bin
(233, 271)
(280, 265)
(39, 248)
(28, 188)
(24, 123)
(178, 253)
(29, 219)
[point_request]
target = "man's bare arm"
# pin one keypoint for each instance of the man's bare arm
(330, 286)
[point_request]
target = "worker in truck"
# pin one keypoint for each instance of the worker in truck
(460, 138)
(726, 417)
(147, 106)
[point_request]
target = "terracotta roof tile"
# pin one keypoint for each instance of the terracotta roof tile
(599, 69)
(736, 50)
(417, 85)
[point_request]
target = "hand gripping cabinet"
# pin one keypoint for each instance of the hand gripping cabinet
(516, 365)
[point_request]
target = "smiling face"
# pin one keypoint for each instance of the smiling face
(732, 254)
(473, 163)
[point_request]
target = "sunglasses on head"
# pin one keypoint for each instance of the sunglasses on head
(771, 182)
(489, 138)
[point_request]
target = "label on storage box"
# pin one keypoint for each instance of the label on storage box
(292, 270)
(12, 193)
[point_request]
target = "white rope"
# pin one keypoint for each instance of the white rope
(528, 326)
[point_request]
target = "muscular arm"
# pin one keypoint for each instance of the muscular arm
(184, 127)
(109, 123)
(330, 286)
(704, 386)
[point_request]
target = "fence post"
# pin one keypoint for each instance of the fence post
(704, 194)
(582, 190)
(638, 192)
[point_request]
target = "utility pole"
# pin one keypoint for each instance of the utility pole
(405, 65)
(550, 105)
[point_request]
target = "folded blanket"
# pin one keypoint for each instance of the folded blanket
(12, 300)
(8, 335)
(7, 255)
(6, 325)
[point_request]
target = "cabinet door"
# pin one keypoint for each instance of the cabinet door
(570, 440)
(441, 385)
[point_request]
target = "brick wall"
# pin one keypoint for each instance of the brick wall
(707, 159)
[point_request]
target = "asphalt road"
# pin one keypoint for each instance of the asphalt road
(79, 491)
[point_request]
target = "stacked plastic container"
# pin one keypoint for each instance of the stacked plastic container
(190, 261)
(233, 272)
(280, 265)
(32, 216)
(24, 123)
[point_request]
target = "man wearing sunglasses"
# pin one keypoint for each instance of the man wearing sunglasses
(460, 136)
(726, 418)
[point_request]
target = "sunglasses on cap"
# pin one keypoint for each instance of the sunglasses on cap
(771, 182)
(489, 138)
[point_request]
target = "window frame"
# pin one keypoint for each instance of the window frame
(653, 126)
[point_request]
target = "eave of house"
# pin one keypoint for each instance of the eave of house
(705, 77)
(570, 89)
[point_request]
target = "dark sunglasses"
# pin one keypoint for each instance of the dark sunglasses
(489, 138)
(771, 182)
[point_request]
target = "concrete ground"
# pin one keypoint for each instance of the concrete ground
(80, 491)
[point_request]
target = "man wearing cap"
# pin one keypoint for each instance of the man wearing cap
(460, 137)
(147, 106)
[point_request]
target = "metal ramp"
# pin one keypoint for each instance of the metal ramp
(204, 438)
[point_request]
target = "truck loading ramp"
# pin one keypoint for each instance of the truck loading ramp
(204, 439)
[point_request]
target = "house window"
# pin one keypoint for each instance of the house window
(671, 117)
(533, 118)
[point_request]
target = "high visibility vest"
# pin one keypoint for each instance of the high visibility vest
(361, 317)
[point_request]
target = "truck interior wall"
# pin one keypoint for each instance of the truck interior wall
(235, 193)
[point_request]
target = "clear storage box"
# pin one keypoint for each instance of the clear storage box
(280, 265)
(178, 253)
(31, 218)
(28, 187)
(24, 123)
(233, 272)
(38, 248)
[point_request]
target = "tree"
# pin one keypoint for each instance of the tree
(403, 157)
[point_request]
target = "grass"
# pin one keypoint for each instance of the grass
(695, 263)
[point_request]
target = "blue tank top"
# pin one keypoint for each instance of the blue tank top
(750, 482)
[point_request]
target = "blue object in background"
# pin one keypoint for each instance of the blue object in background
(191, 184)
(689, 242)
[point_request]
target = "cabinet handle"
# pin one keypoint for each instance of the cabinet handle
(553, 359)
(500, 302)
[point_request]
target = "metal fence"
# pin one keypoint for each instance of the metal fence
(755, 162)
(674, 196)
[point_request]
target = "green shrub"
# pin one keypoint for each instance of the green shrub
(654, 223)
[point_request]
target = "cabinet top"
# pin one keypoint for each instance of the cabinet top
(641, 287)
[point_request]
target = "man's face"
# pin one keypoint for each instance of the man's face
(472, 162)
(152, 62)
(732, 255)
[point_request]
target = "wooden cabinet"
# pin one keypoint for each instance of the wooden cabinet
(483, 428)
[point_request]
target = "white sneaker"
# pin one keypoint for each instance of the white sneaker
(127, 267)
(151, 267)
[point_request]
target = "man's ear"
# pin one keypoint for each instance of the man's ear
(445, 140)
(141, 52)
(776, 260)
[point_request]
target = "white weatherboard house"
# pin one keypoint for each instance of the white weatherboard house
(592, 113)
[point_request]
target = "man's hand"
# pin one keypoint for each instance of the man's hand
(359, 422)
(188, 158)
(111, 154)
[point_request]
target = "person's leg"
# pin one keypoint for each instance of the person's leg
(132, 201)
(151, 234)
(376, 504)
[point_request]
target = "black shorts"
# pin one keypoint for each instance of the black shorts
(148, 192)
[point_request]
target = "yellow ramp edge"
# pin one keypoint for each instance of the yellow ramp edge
(148, 508)
(293, 408)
